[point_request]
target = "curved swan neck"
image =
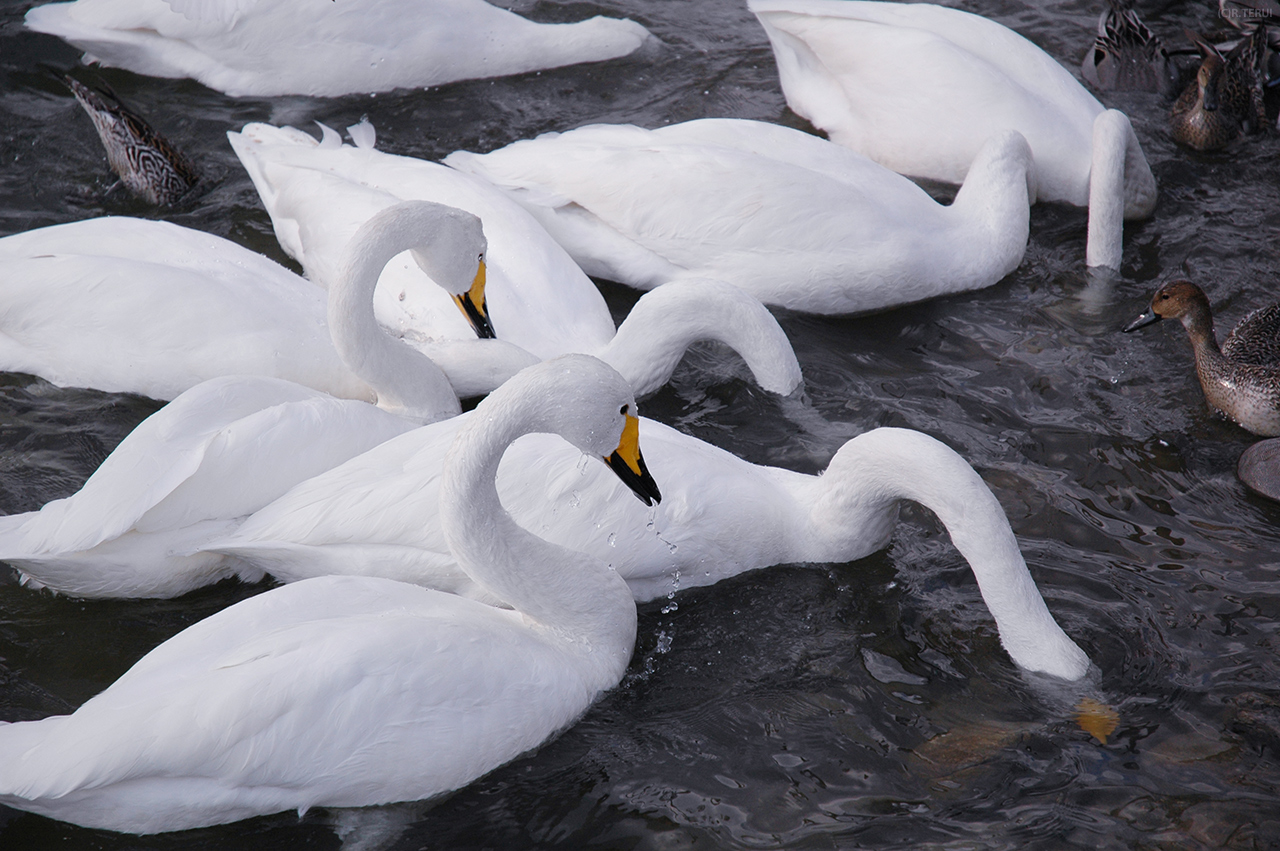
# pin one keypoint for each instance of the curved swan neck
(563, 590)
(1121, 187)
(886, 465)
(996, 199)
(406, 381)
(667, 320)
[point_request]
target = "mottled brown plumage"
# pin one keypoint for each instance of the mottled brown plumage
(1128, 56)
(1225, 98)
(147, 163)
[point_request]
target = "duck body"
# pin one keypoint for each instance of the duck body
(352, 691)
(793, 219)
(1128, 56)
(1240, 379)
(1225, 99)
(148, 165)
(282, 47)
(538, 300)
(882, 78)
(720, 516)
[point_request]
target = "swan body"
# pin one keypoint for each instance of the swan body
(538, 299)
(883, 78)
(1242, 377)
(720, 516)
(139, 306)
(352, 691)
(291, 47)
(230, 445)
(793, 219)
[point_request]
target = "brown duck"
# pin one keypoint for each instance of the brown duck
(1242, 378)
(147, 164)
(1225, 98)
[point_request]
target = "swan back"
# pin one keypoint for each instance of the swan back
(919, 88)
(791, 218)
(279, 47)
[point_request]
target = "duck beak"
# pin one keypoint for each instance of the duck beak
(1150, 317)
(473, 307)
(629, 466)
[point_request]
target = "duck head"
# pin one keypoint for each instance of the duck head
(1179, 299)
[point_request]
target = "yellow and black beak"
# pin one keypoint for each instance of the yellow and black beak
(473, 307)
(628, 464)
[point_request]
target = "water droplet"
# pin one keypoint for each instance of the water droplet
(613, 539)
(574, 500)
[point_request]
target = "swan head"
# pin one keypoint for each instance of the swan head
(1181, 300)
(455, 260)
(589, 404)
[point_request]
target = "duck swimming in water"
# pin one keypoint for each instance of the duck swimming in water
(148, 165)
(1225, 99)
(1128, 56)
(1242, 378)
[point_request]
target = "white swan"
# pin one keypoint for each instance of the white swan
(720, 516)
(351, 691)
(230, 445)
(138, 306)
(318, 193)
(793, 219)
(919, 88)
(283, 47)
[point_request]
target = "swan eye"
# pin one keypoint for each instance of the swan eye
(623, 410)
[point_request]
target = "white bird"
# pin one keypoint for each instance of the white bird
(139, 306)
(920, 88)
(720, 516)
(353, 691)
(793, 219)
(230, 445)
(293, 47)
(318, 193)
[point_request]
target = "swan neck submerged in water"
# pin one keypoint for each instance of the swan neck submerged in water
(1121, 187)
(665, 321)
(445, 241)
(871, 473)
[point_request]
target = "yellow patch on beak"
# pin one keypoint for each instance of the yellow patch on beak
(629, 465)
(472, 304)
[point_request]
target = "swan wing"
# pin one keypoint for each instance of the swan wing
(81, 308)
(219, 451)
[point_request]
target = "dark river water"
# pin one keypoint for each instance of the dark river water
(862, 705)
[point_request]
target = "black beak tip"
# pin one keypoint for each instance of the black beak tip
(479, 321)
(642, 485)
